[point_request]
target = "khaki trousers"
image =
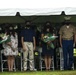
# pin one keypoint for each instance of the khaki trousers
(29, 51)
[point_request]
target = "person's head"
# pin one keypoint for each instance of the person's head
(67, 20)
(7, 31)
(48, 27)
(12, 32)
(28, 23)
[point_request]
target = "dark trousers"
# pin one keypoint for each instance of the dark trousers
(68, 53)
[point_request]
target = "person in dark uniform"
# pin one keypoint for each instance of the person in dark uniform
(28, 45)
(67, 41)
(47, 52)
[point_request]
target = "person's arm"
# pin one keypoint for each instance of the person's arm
(60, 40)
(8, 42)
(60, 37)
(34, 42)
(74, 36)
(22, 41)
(16, 40)
(42, 35)
(74, 39)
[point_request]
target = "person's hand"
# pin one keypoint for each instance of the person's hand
(34, 48)
(61, 45)
(48, 42)
(9, 43)
(74, 45)
(24, 48)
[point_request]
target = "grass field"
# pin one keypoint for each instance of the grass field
(40, 73)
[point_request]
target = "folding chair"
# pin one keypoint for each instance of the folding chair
(57, 58)
(19, 60)
(62, 60)
(21, 54)
(4, 62)
(36, 59)
(42, 66)
(74, 52)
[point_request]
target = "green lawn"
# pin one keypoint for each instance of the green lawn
(40, 73)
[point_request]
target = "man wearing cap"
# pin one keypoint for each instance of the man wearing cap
(67, 41)
(29, 45)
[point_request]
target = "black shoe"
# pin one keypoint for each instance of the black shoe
(69, 68)
(65, 69)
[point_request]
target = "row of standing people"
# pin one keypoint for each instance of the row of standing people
(28, 41)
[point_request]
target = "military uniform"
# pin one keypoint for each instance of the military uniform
(67, 33)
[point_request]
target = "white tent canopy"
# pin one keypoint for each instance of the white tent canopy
(37, 7)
